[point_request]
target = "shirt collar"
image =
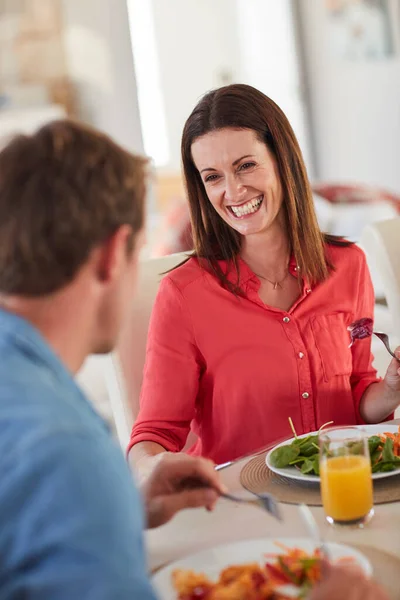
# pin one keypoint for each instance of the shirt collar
(19, 332)
(246, 274)
(240, 276)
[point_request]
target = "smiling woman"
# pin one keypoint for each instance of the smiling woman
(240, 123)
(245, 191)
(252, 328)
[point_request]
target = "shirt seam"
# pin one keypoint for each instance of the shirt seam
(187, 310)
(203, 364)
(170, 277)
(41, 349)
(47, 434)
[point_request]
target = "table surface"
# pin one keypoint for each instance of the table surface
(195, 530)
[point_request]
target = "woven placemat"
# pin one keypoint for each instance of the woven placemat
(257, 477)
(386, 569)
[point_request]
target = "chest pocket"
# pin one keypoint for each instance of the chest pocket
(332, 341)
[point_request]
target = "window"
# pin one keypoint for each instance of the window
(151, 107)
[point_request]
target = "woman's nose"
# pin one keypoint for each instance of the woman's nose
(234, 190)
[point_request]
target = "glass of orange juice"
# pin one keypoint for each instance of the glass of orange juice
(346, 479)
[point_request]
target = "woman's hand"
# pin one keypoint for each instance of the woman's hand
(392, 377)
(381, 399)
(178, 481)
(347, 583)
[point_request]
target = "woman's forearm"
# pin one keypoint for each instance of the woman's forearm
(378, 402)
(143, 457)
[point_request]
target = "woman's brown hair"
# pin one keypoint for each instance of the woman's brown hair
(241, 106)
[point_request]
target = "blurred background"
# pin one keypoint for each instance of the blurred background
(136, 68)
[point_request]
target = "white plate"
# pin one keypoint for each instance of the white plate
(293, 473)
(211, 562)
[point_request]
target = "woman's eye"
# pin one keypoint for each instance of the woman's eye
(247, 165)
(210, 178)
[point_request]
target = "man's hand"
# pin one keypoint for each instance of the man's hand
(178, 481)
(347, 583)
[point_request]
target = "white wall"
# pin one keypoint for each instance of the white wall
(355, 108)
(199, 42)
(196, 42)
(270, 61)
(203, 44)
(100, 63)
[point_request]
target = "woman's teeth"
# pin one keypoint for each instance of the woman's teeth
(248, 208)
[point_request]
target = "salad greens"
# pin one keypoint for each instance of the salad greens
(303, 453)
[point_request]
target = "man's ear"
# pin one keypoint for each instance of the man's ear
(113, 253)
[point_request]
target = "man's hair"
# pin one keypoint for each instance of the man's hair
(63, 191)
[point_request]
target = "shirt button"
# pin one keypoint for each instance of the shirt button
(308, 291)
(305, 395)
(286, 319)
(301, 355)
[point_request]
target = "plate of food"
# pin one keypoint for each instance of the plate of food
(298, 457)
(273, 569)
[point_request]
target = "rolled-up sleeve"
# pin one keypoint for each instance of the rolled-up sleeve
(171, 374)
(363, 373)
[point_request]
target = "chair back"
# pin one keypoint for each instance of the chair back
(381, 243)
(112, 381)
(133, 340)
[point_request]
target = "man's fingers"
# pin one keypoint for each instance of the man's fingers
(325, 568)
(201, 497)
(181, 467)
(163, 508)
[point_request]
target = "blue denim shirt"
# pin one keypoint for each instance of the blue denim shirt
(70, 517)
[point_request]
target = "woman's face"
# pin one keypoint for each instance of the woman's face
(241, 179)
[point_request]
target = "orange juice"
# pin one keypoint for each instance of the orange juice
(346, 487)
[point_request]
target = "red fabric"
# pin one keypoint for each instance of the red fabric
(231, 367)
(354, 194)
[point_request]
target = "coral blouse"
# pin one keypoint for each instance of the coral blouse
(233, 369)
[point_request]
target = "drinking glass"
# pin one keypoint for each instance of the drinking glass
(346, 478)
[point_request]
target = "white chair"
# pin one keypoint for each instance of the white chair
(381, 243)
(126, 367)
(102, 382)
(112, 381)
(350, 220)
(121, 413)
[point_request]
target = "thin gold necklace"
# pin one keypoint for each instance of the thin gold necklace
(276, 284)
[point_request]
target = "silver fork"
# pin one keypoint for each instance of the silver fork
(385, 339)
(264, 501)
(313, 529)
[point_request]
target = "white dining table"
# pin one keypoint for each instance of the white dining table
(194, 530)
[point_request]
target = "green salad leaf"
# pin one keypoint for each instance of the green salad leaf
(307, 466)
(303, 453)
(373, 443)
(283, 456)
(387, 450)
(316, 464)
(386, 461)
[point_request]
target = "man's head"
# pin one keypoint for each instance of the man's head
(72, 206)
